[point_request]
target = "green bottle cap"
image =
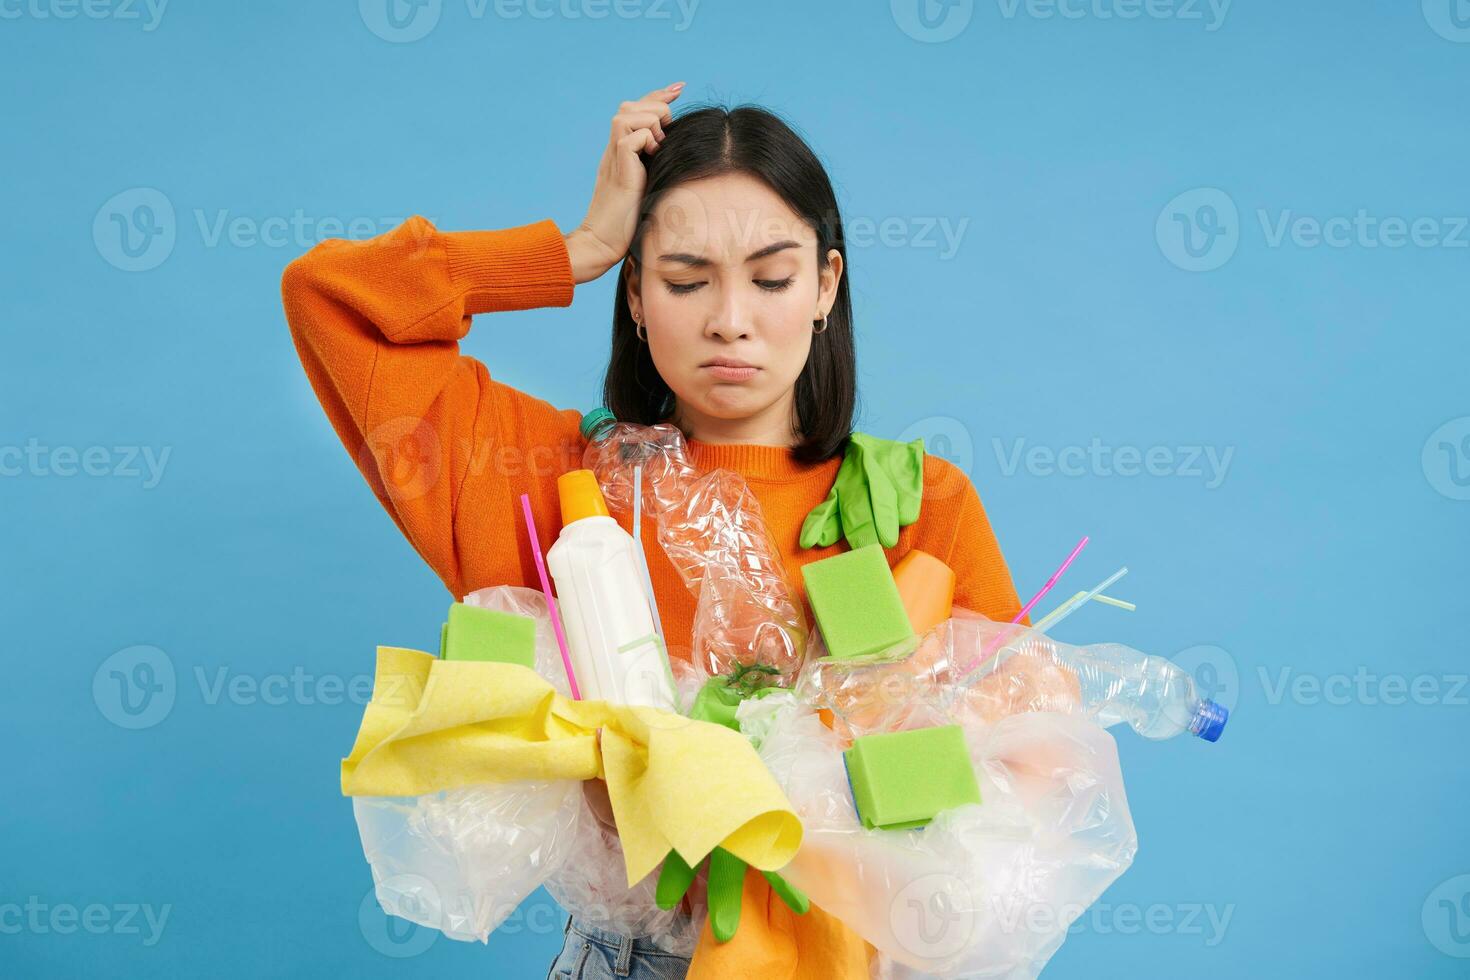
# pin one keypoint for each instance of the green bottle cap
(595, 422)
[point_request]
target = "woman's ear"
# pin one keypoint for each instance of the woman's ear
(631, 284)
(828, 279)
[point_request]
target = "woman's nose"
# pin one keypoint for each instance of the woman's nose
(728, 321)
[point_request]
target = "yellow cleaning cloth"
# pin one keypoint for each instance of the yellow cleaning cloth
(674, 783)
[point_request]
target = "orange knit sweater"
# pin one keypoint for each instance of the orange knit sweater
(448, 450)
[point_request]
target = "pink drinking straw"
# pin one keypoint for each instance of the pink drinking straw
(991, 649)
(561, 638)
(1051, 581)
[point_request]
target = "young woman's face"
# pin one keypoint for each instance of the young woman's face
(728, 294)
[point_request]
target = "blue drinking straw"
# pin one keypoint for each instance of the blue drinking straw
(1076, 602)
(642, 558)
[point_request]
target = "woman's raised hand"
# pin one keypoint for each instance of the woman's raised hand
(602, 239)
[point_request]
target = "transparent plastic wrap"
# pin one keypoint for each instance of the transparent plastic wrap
(710, 526)
(460, 861)
(984, 890)
(973, 671)
(591, 883)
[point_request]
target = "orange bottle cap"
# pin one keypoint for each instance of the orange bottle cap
(580, 496)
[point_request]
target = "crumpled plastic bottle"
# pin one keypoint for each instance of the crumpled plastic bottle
(971, 670)
(711, 527)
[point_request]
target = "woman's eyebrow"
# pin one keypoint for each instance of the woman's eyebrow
(699, 261)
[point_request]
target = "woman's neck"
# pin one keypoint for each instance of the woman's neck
(774, 426)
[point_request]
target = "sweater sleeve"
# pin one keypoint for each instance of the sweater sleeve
(377, 325)
(982, 579)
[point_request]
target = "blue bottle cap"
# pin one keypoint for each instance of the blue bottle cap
(1209, 720)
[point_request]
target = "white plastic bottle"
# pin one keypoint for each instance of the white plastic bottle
(615, 650)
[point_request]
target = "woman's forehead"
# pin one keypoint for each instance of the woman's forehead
(726, 219)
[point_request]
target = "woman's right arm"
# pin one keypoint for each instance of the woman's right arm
(377, 324)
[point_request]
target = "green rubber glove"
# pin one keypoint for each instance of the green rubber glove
(726, 883)
(716, 702)
(878, 489)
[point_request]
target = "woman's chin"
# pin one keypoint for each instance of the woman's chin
(730, 401)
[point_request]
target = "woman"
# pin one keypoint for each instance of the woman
(732, 320)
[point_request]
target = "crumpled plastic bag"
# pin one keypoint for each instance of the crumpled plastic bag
(984, 890)
(460, 861)
(589, 883)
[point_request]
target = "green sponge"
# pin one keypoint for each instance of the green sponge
(857, 604)
(902, 779)
(473, 633)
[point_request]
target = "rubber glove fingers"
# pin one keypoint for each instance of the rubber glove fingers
(726, 884)
(794, 897)
(882, 497)
(822, 526)
(866, 499)
(905, 465)
(878, 491)
(674, 880)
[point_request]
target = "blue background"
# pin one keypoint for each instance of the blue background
(1333, 547)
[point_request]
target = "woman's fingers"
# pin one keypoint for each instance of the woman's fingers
(649, 112)
(638, 115)
(630, 172)
(630, 122)
(664, 95)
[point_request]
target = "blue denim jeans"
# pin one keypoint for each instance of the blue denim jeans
(590, 953)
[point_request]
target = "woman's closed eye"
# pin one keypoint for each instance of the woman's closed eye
(769, 285)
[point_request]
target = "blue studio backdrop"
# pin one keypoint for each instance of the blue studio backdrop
(1188, 277)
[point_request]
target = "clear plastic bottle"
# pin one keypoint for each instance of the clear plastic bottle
(1154, 696)
(1107, 682)
(972, 670)
(710, 526)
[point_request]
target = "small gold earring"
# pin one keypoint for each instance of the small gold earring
(638, 329)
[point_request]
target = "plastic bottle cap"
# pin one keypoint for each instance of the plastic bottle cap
(580, 496)
(594, 420)
(1209, 720)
